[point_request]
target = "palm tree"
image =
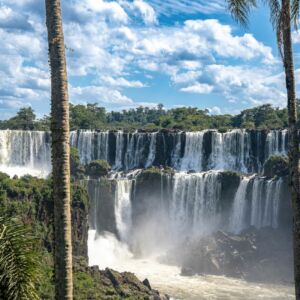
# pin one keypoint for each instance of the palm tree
(60, 153)
(282, 14)
(18, 262)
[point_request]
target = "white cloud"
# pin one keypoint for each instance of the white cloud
(121, 82)
(253, 85)
(147, 12)
(215, 110)
(198, 88)
(109, 43)
(101, 95)
(111, 10)
(296, 37)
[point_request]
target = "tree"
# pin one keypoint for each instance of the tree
(18, 262)
(60, 153)
(282, 14)
(24, 120)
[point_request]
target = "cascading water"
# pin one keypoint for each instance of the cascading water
(276, 142)
(123, 208)
(188, 205)
(183, 204)
(192, 159)
(265, 202)
(25, 152)
(237, 150)
(152, 150)
(237, 220)
(193, 208)
(194, 202)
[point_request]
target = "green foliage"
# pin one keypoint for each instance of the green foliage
(19, 267)
(98, 168)
(276, 165)
(91, 116)
(24, 120)
(261, 117)
(88, 116)
(28, 200)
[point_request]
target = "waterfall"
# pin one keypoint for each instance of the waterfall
(176, 152)
(119, 150)
(237, 220)
(152, 150)
(158, 210)
(276, 142)
(265, 201)
(236, 150)
(230, 150)
(194, 201)
(25, 152)
(256, 201)
(123, 207)
(102, 145)
(192, 159)
(83, 140)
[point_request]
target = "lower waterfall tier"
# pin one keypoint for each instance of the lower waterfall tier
(161, 208)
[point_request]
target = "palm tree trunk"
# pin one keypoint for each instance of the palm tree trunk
(60, 153)
(293, 138)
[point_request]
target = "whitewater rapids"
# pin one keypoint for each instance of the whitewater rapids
(107, 251)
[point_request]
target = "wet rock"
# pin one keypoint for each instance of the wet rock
(187, 271)
(259, 255)
(116, 285)
(191, 172)
(147, 284)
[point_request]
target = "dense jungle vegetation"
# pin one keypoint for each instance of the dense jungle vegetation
(91, 116)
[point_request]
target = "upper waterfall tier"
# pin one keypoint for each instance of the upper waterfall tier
(239, 150)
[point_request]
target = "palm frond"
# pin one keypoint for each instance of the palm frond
(18, 262)
(240, 9)
(277, 20)
(295, 10)
(279, 32)
(275, 12)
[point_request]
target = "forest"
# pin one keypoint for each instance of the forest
(91, 116)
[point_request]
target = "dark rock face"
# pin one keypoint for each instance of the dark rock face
(258, 255)
(207, 149)
(229, 185)
(102, 204)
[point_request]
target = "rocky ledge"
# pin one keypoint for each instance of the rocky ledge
(263, 255)
(110, 284)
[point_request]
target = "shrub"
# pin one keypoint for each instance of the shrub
(276, 165)
(98, 168)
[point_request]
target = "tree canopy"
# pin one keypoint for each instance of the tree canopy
(91, 116)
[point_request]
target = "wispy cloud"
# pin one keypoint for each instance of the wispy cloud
(175, 7)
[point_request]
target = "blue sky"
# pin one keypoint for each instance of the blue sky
(123, 54)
